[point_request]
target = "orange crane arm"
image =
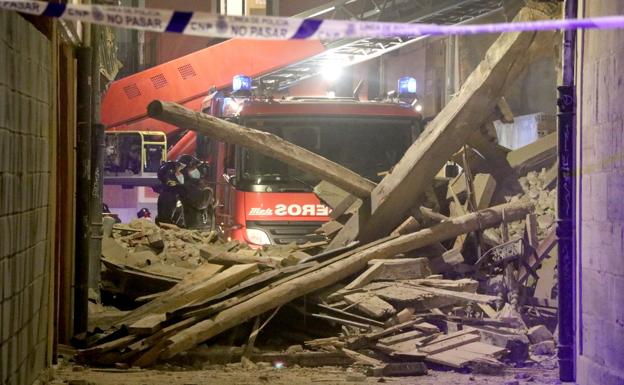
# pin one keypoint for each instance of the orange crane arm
(188, 79)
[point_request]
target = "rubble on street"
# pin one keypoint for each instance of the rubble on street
(427, 271)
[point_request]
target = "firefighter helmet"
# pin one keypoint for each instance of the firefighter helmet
(188, 160)
(167, 173)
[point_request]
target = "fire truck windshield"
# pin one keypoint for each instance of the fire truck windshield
(369, 146)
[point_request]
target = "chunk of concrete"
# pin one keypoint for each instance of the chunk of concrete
(544, 348)
(539, 334)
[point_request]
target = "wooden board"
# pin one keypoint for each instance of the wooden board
(534, 156)
(367, 276)
(402, 268)
(190, 290)
(540, 253)
(484, 187)
(401, 337)
(450, 343)
(463, 355)
(370, 305)
(403, 188)
(147, 325)
(263, 142)
(334, 270)
(361, 358)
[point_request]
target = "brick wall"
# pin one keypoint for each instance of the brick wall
(601, 90)
(25, 76)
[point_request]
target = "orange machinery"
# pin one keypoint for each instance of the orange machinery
(188, 79)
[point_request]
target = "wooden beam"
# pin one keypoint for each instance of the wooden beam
(405, 186)
(337, 271)
(534, 156)
(371, 305)
(504, 109)
(366, 277)
(189, 291)
(536, 258)
(262, 142)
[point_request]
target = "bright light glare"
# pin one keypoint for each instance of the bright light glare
(331, 94)
(331, 71)
(419, 107)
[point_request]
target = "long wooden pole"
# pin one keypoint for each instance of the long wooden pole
(264, 143)
(403, 188)
(337, 271)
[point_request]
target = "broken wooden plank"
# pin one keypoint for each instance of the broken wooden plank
(450, 343)
(410, 225)
(459, 295)
(351, 315)
(370, 305)
(367, 276)
(488, 310)
(262, 142)
(401, 337)
(361, 358)
(219, 256)
(504, 109)
(375, 336)
(402, 316)
(340, 268)
(403, 188)
(399, 369)
(329, 229)
(484, 187)
(447, 261)
(540, 253)
(432, 216)
(329, 194)
(106, 347)
(256, 280)
(190, 291)
(534, 156)
(402, 268)
(147, 325)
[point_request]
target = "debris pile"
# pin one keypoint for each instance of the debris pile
(420, 269)
(141, 258)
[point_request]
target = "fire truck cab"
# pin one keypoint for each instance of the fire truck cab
(265, 201)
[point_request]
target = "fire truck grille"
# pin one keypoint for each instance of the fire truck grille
(285, 232)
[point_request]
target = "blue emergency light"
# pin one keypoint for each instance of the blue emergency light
(407, 85)
(241, 83)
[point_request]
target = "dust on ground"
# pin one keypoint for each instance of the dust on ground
(234, 374)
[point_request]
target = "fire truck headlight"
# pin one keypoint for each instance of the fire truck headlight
(257, 237)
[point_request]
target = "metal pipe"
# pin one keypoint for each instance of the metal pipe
(83, 182)
(567, 204)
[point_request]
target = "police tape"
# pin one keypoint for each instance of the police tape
(278, 28)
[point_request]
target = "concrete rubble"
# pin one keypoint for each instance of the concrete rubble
(443, 301)
(449, 282)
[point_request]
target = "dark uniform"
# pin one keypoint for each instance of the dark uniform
(172, 181)
(195, 195)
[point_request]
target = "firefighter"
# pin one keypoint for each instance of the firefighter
(195, 195)
(172, 179)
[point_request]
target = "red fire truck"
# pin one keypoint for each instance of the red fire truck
(266, 201)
